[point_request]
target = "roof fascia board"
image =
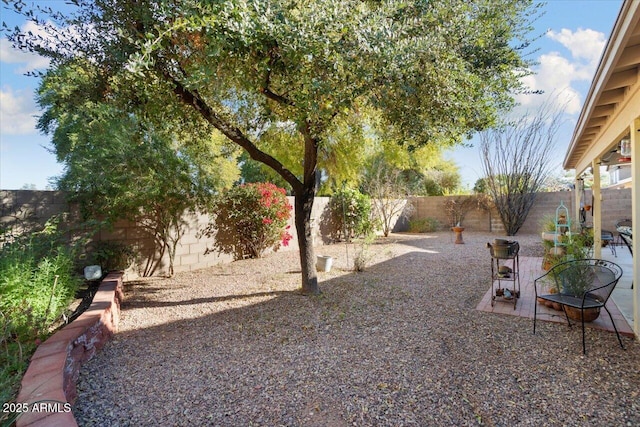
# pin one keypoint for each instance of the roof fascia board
(608, 58)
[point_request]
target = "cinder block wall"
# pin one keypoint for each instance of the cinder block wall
(24, 208)
(475, 220)
(616, 205)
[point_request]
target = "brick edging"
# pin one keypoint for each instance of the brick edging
(50, 380)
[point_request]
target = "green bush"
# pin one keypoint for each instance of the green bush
(424, 225)
(112, 255)
(37, 284)
(249, 219)
(351, 211)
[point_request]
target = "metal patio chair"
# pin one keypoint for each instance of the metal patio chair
(584, 284)
(625, 231)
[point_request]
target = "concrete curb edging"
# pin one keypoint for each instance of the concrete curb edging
(49, 386)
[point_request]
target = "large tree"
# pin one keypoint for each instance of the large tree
(119, 163)
(435, 70)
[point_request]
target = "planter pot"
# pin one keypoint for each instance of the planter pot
(557, 251)
(590, 314)
(458, 231)
(549, 235)
(324, 263)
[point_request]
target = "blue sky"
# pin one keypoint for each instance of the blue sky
(567, 58)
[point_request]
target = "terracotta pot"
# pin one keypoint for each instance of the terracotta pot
(590, 314)
(458, 231)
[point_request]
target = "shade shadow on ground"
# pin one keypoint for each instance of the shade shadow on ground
(400, 343)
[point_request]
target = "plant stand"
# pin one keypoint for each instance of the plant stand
(505, 267)
(458, 231)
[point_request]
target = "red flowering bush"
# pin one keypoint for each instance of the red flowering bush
(249, 219)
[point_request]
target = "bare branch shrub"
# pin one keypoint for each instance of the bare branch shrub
(457, 208)
(516, 161)
(388, 189)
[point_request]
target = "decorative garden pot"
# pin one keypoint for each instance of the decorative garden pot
(458, 231)
(590, 314)
(324, 263)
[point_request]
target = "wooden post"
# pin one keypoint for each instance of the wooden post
(597, 209)
(634, 130)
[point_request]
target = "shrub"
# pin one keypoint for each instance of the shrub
(249, 219)
(113, 255)
(351, 211)
(37, 285)
(423, 225)
(457, 208)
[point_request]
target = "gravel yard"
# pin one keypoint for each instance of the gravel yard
(399, 344)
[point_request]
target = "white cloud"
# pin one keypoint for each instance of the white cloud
(556, 75)
(583, 44)
(17, 112)
(31, 61)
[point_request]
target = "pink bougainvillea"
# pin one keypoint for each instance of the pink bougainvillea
(250, 219)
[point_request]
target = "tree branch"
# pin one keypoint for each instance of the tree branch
(267, 82)
(193, 99)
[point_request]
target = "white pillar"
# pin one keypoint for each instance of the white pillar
(597, 210)
(578, 186)
(635, 217)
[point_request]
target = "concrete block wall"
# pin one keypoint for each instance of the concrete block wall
(191, 252)
(545, 205)
(21, 210)
(21, 207)
(616, 205)
(475, 220)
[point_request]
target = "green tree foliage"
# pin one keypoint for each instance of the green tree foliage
(252, 171)
(434, 70)
(121, 164)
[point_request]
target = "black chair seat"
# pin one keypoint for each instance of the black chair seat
(573, 301)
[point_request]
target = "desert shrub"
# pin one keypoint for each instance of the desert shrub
(423, 225)
(113, 255)
(37, 284)
(351, 211)
(250, 219)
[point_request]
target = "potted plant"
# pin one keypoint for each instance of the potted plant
(575, 281)
(457, 208)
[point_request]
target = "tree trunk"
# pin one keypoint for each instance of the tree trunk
(304, 191)
(303, 207)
